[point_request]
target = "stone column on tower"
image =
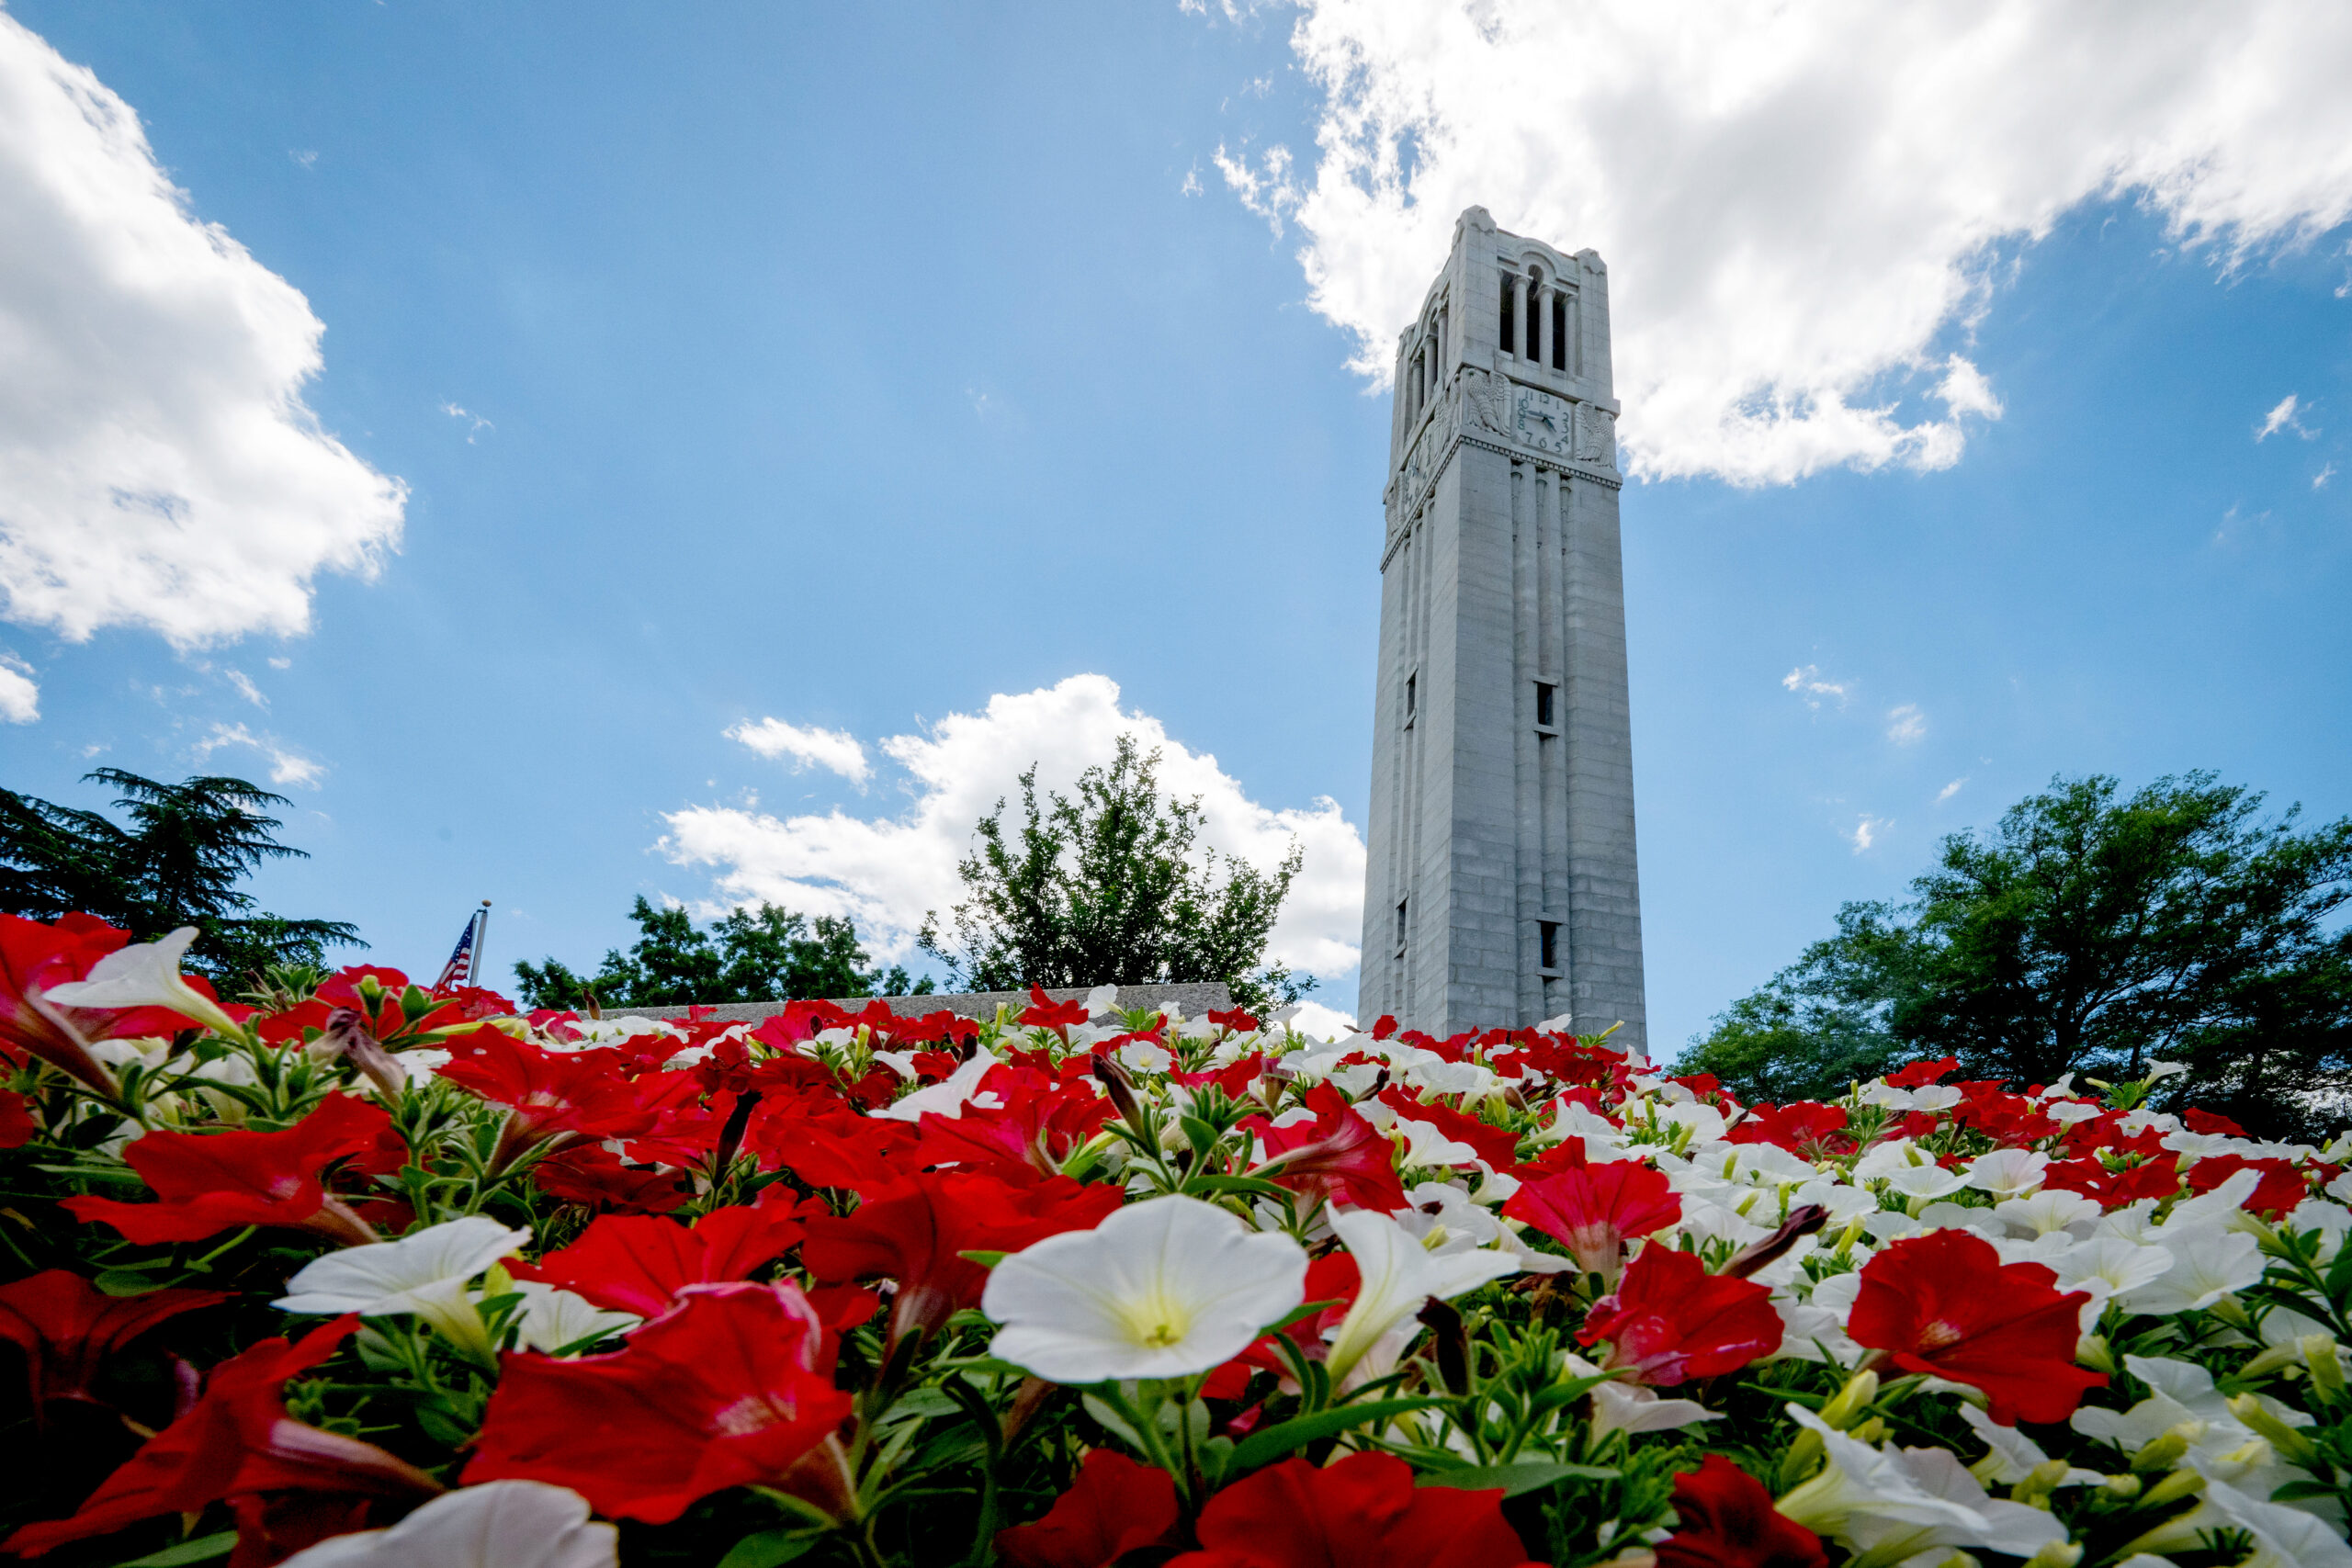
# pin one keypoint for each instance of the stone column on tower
(1502, 888)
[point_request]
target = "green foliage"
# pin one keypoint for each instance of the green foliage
(1106, 888)
(768, 954)
(181, 862)
(2090, 932)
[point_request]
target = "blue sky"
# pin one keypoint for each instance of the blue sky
(851, 367)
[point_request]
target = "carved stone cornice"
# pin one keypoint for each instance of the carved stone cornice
(1527, 424)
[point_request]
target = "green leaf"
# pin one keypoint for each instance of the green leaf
(1264, 1448)
(1114, 1422)
(1527, 1475)
(984, 1258)
(769, 1548)
(126, 1281)
(203, 1549)
(1305, 1310)
(1210, 1181)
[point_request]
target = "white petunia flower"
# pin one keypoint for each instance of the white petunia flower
(424, 1274)
(1628, 1407)
(2207, 1265)
(500, 1524)
(946, 1099)
(2283, 1537)
(1398, 1276)
(2008, 1173)
(2112, 1262)
(2051, 1210)
(1143, 1057)
(553, 1318)
(2066, 1112)
(2011, 1456)
(1894, 1504)
(1161, 1288)
(144, 975)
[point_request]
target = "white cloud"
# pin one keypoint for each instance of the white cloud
(1906, 724)
(1866, 832)
(2319, 480)
(1805, 681)
(277, 662)
(246, 687)
(2285, 416)
(19, 694)
(1950, 790)
(285, 766)
(475, 424)
(1318, 1022)
(836, 750)
(158, 466)
(887, 872)
(1804, 208)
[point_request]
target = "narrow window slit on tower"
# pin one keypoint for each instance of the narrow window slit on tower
(1559, 332)
(1510, 327)
(1544, 690)
(1549, 938)
(1400, 922)
(1412, 689)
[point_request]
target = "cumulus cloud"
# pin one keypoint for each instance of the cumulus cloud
(158, 466)
(836, 750)
(1906, 724)
(1950, 790)
(2283, 416)
(2326, 472)
(246, 687)
(887, 872)
(1866, 832)
(19, 696)
(285, 766)
(1804, 208)
(1805, 681)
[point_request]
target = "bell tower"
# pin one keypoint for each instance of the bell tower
(1501, 888)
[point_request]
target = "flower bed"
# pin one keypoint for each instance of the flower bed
(381, 1276)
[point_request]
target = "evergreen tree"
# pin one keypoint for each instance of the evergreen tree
(182, 861)
(1105, 887)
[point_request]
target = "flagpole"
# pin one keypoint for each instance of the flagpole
(481, 933)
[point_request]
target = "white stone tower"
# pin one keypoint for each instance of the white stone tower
(1502, 888)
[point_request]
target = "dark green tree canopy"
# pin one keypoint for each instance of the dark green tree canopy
(768, 954)
(1104, 886)
(182, 861)
(2090, 932)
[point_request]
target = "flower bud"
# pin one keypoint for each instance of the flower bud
(2327, 1372)
(2055, 1554)
(1871, 1431)
(1843, 1410)
(1800, 1458)
(2292, 1446)
(2122, 1488)
(2039, 1482)
(2165, 1453)
(2271, 1361)
(2172, 1488)
(2093, 1352)
(2230, 1311)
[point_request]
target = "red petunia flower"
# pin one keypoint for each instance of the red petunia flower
(1498, 1147)
(551, 1094)
(1044, 1012)
(17, 1124)
(1113, 1507)
(1670, 1320)
(916, 1230)
(1944, 1303)
(1727, 1521)
(237, 1442)
(1332, 1278)
(1339, 1157)
(1363, 1511)
(1040, 1124)
(833, 1147)
(67, 1328)
(1919, 1073)
(33, 958)
(1236, 1019)
(1595, 1209)
(2197, 1121)
(639, 1264)
(724, 1392)
(589, 1173)
(2281, 1188)
(210, 1181)
(1804, 1127)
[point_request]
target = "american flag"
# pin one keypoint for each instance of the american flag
(465, 959)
